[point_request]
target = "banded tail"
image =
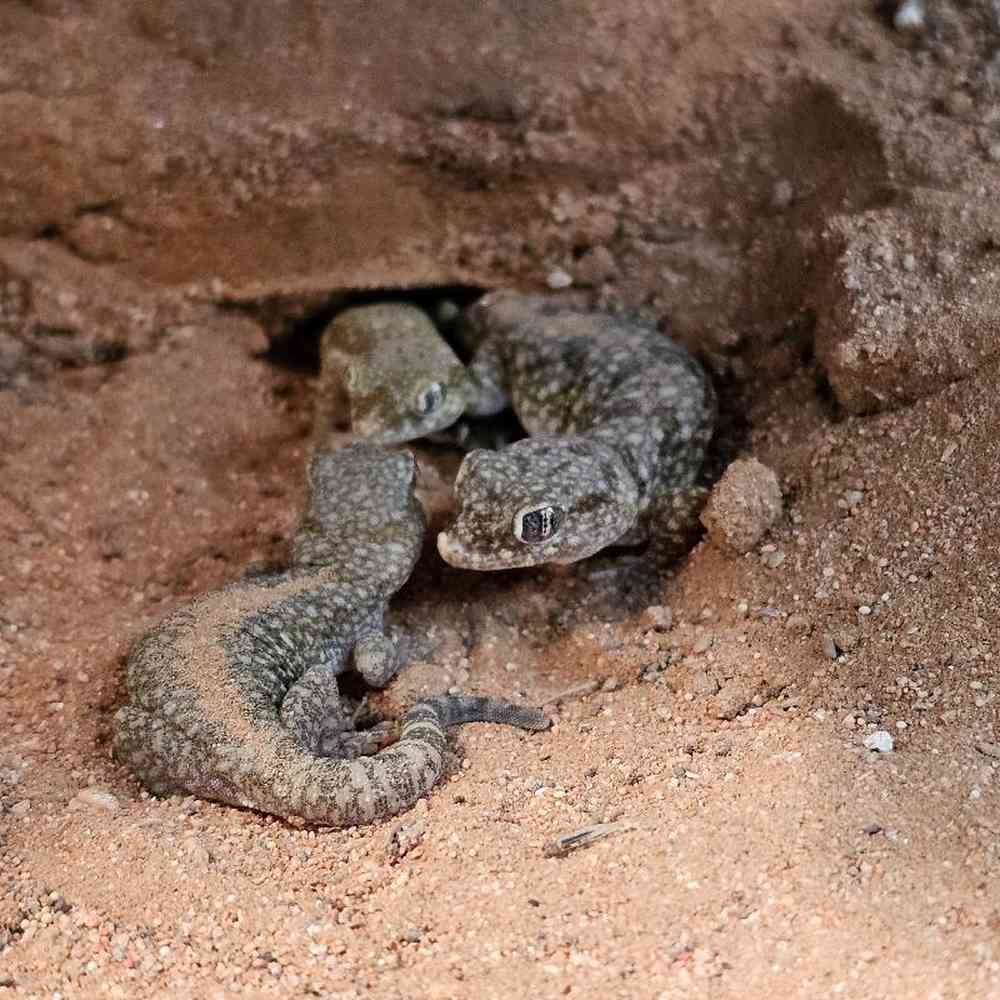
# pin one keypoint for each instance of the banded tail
(270, 772)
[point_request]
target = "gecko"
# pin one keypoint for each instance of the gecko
(619, 417)
(234, 697)
(390, 368)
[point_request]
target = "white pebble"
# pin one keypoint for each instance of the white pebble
(558, 279)
(910, 16)
(95, 798)
(881, 741)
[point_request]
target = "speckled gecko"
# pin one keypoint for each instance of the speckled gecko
(399, 379)
(234, 697)
(620, 417)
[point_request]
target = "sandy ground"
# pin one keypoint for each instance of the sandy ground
(152, 447)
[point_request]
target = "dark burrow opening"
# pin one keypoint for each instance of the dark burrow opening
(295, 323)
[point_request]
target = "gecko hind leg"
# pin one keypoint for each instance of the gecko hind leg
(312, 706)
(168, 761)
(376, 658)
(672, 523)
(314, 712)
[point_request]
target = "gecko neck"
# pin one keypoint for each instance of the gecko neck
(635, 450)
(364, 562)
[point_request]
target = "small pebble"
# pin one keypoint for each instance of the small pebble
(704, 684)
(743, 505)
(96, 799)
(958, 104)
(798, 623)
(880, 741)
(659, 617)
(847, 638)
(595, 267)
(702, 644)
(910, 17)
(782, 195)
(558, 279)
(854, 498)
(733, 700)
(772, 560)
(944, 261)
(404, 838)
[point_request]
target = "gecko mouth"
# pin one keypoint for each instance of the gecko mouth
(453, 552)
(456, 554)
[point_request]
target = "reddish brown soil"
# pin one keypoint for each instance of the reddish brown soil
(180, 188)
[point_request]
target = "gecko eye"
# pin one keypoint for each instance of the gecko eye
(428, 398)
(537, 524)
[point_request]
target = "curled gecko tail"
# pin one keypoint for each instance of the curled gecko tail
(272, 773)
(366, 789)
(456, 710)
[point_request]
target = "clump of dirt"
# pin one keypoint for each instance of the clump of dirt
(911, 299)
(744, 504)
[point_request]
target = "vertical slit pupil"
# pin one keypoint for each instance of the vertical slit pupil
(539, 525)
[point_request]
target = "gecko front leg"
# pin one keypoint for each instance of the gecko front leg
(671, 523)
(376, 658)
(488, 393)
(312, 705)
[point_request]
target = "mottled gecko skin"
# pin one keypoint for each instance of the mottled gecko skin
(619, 418)
(233, 697)
(390, 367)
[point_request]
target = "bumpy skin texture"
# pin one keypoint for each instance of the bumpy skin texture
(234, 697)
(620, 417)
(390, 367)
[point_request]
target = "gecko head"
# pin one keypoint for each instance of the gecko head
(544, 499)
(393, 407)
(410, 384)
